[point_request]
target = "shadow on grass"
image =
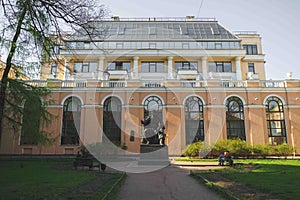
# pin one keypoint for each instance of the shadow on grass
(46, 178)
(257, 179)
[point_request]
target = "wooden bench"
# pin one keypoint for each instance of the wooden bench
(86, 161)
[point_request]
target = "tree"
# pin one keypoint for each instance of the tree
(25, 112)
(27, 27)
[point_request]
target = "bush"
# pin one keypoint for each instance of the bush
(193, 149)
(261, 150)
(238, 148)
(283, 150)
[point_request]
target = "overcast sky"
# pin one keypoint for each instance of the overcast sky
(277, 21)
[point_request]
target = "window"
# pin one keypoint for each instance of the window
(112, 120)
(54, 50)
(119, 66)
(119, 45)
(131, 138)
(185, 45)
(153, 111)
(251, 49)
(220, 66)
(235, 118)
(153, 67)
(54, 69)
(251, 67)
(194, 121)
(275, 121)
(85, 67)
(152, 45)
(71, 122)
(186, 65)
(31, 122)
(218, 45)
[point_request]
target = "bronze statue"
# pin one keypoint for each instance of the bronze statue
(154, 130)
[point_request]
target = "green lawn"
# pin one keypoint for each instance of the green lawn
(276, 176)
(50, 179)
(280, 177)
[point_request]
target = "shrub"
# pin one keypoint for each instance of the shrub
(193, 149)
(236, 147)
(283, 150)
(262, 150)
(239, 147)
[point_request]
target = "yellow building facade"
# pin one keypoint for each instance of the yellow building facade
(203, 82)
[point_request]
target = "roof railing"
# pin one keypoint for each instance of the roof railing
(245, 32)
(160, 19)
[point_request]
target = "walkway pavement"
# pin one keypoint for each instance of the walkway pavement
(170, 183)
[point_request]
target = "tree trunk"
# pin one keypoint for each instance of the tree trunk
(4, 80)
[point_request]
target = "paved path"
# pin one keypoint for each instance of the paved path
(170, 183)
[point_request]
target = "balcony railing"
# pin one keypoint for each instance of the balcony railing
(161, 83)
(153, 84)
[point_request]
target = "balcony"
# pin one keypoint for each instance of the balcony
(212, 83)
(187, 74)
(222, 75)
(118, 74)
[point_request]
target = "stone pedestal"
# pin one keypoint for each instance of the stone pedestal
(153, 154)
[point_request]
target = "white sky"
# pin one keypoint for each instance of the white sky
(277, 21)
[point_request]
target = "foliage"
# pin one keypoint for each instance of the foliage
(26, 112)
(195, 149)
(237, 148)
(283, 150)
(32, 28)
(262, 150)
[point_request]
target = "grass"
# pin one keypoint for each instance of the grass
(280, 177)
(275, 176)
(48, 179)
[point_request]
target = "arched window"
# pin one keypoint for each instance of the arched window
(71, 121)
(112, 115)
(153, 110)
(275, 121)
(194, 121)
(235, 118)
(31, 122)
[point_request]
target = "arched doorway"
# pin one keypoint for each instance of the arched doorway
(275, 121)
(71, 121)
(112, 114)
(153, 110)
(235, 118)
(194, 122)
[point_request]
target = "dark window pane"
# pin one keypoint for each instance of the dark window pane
(145, 67)
(227, 67)
(93, 67)
(212, 67)
(251, 67)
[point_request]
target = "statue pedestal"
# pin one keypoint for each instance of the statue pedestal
(153, 154)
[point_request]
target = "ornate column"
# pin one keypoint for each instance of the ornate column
(170, 67)
(100, 68)
(238, 68)
(135, 67)
(66, 68)
(204, 68)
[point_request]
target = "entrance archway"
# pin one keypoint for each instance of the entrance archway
(112, 114)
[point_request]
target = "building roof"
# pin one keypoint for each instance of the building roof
(155, 29)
